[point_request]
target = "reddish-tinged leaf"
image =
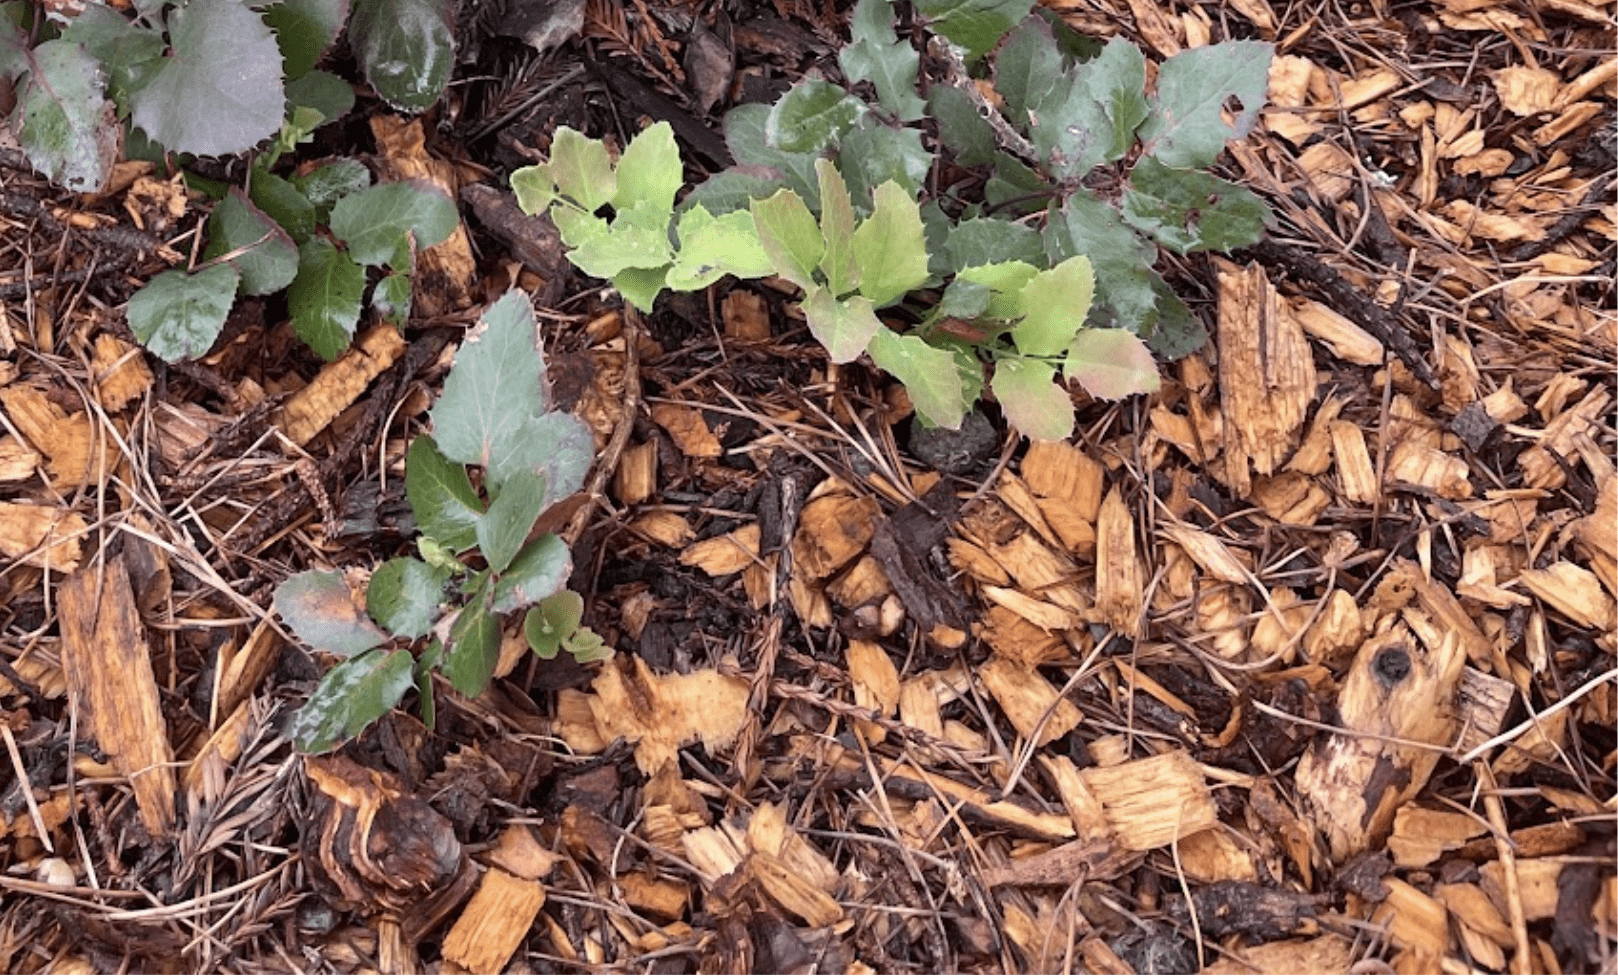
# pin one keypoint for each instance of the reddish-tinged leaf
(1033, 401)
(1112, 364)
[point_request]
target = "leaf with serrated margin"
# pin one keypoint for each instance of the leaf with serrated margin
(495, 388)
(376, 222)
(875, 54)
(540, 569)
(441, 497)
(407, 48)
(304, 29)
(961, 127)
(261, 251)
(790, 236)
(1116, 79)
(976, 25)
(1006, 281)
(1055, 302)
(178, 315)
(1032, 400)
(351, 696)
(931, 376)
(873, 154)
(404, 596)
(65, 123)
(324, 185)
(325, 297)
(844, 326)
(811, 116)
(1112, 364)
(285, 204)
(649, 170)
(712, 247)
(320, 610)
(891, 247)
(746, 137)
(987, 240)
(1189, 210)
(1186, 128)
(581, 169)
(837, 229)
(218, 90)
(734, 189)
(1121, 259)
(126, 50)
(1026, 68)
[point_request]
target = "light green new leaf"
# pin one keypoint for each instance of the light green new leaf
(637, 238)
(712, 247)
(931, 376)
(844, 327)
(325, 297)
(837, 229)
(351, 696)
(581, 169)
(1032, 400)
(1112, 364)
(553, 621)
(641, 286)
(441, 497)
(404, 596)
(178, 315)
(876, 55)
(377, 223)
(813, 115)
(1006, 281)
(67, 126)
(1055, 303)
(1186, 128)
(891, 247)
(790, 237)
(261, 251)
(649, 170)
(534, 188)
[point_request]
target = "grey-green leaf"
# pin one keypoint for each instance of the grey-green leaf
(504, 527)
(540, 569)
(1190, 210)
(377, 222)
(324, 185)
(988, 240)
(441, 496)
(320, 609)
(976, 25)
(260, 250)
(304, 29)
(67, 126)
(1186, 127)
(322, 91)
(876, 55)
(404, 596)
(963, 129)
(496, 387)
(325, 297)
(351, 696)
(407, 48)
(285, 204)
(1026, 68)
(812, 116)
(178, 315)
(872, 154)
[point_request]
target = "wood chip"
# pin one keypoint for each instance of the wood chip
(41, 535)
(494, 923)
(1266, 375)
(340, 383)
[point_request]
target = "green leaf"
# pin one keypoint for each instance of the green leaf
(876, 55)
(376, 223)
(283, 203)
(1112, 364)
(636, 238)
(127, 51)
(324, 92)
(320, 610)
(1006, 281)
(325, 298)
(1122, 261)
(446, 508)
(557, 447)
(987, 240)
(963, 130)
(837, 230)
(392, 298)
(540, 570)
(1032, 400)
(1055, 303)
(813, 115)
(422, 673)
(218, 90)
(1015, 187)
(474, 650)
(746, 137)
(504, 527)
(497, 386)
(304, 29)
(351, 696)
(1171, 331)
(581, 169)
(406, 47)
(1026, 68)
(264, 254)
(874, 154)
(975, 25)
(712, 247)
(789, 236)
(890, 247)
(178, 315)
(931, 376)
(734, 189)
(534, 188)
(405, 595)
(553, 620)
(641, 286)
(649, 170)
(324, 185)
(1116, 79)
(1190, 210)
(844, 327)
(1186, 128)
(66, 125)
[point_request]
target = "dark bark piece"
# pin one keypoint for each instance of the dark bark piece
(1241, 907)
(644, 100)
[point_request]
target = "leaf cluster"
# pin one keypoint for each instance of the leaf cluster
(485, 551)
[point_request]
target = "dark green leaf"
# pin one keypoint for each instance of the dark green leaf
(1026, 68)
(540, 569)
(873, 154)
(1186, 128)
(556, 447)
(553, 620)
(320, 609)
(66, 125)
(441, 496)
(1013, 181)
(351, 696)
(1189, 210)
(876, 55)
(407, 48)
(504, 527)
(1122, 261)
(178, 315)
(404, 596)
(263, 253)
(963, 129)
(1171, 330)
(474, 650)
(324, 185)
(283, 203)
(986, 240)
(376, 223)
(813, 115)
(325, 298)
(733, 189)
(304, 29)
(322, 91)
(392, 298)
(976, 25)
(1116, 79)
(127, 51)
(219, 89)
(496, 387)
(745, 127)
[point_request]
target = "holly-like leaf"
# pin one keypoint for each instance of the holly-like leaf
(178, 315)
(320, 610)
(218, 90)
(1055, 303)
(1032, 400)
(1171, 331)
(637, 238)
(474, 650)
(746, 128)
(1026, 68)
(1189, 210)
(1186, 128)
(581, 170)
(976, 25)
(891, 247)
(1121, 260)
(730, 190)
(1005, 282)
(404, 596)
(325, 297)
(712, 247)
(988, 240)
(67, 126)
(812, 116)
(789, 236)
(496, 388)
(260, 250)
(552, 621)
(351, 696)
(1116, 79)
(842, 271)
(844, 326)
(304, 29)
(540, 569)
(441, 497)
(931, 376)
(377, 223)
(961, 127)
(649, 170)
(1112, 364)
(876, 55)
(873, 154)
(407, 48)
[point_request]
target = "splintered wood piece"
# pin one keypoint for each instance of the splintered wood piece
(1415, 920)
(1337, 632)
(724, 554)
(494, 923)
(664, 527)
(1015, 494)
(661, 713)
(121, 373)
(1035, 707)
(1482, 702)
(1535, 883)
(1210, 553)
(1356, 475)
(832, 530)
(1576, 592)
(1039, 570)
(1472, 906)
(661, 898)
(1545, 464)
(109, 670)
(636, 477)
(240, 672)
(1597, 534)
(793, 892)
(1059, 471)
(1314, 454)
(1003, 813)
(1355, 781)
(1014, 637)
(17, 460)
(1347, 341)
(339, 383)
(1214, 855)
(1417, 464)
(1155, 801)
(518, 852)
(1092, 859)
(1036, 612)
(445, 276)
(768, 832)
(1266, 375)
(1421, 835)
(1290, 497)
(41, 535)
(1329, 953)
(746, 315)
(688, 430)
(1120, 586)
(68, 440)
(876, 685)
